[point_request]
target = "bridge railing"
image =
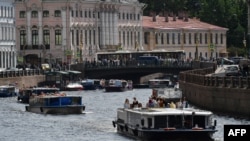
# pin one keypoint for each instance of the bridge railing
(20, 73)
(134, 63)
(198, 77)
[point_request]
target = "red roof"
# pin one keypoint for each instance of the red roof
(178, 24)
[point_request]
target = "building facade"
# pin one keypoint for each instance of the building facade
(7, 35)
(74, 30)
(198, 39)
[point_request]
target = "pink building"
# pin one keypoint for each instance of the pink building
(75, 30)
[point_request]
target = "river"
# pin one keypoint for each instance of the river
(94, 125)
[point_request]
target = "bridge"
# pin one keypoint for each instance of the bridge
(129, 70)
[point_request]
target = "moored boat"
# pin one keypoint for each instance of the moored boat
(118, 85)
(165, 123)
(74, 86)
(8, 91)
(160, 83)
(91, 84)
(56, 104)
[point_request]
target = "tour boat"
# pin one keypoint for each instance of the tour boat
(59, 104)
(165, 123)
(8, 91)
(24, 94)
(91, 84)
(117, 85)
(160, 83)
(74, 86)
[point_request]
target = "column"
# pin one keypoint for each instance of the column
(40, 28)
(102, 29)
(28, 27)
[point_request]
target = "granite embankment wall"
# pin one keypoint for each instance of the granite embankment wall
(226, 95)
(22, 78)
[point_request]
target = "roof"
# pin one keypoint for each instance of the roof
(191, 24)
(169, 111)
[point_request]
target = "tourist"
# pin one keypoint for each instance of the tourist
(135, 103)
(126, 104)
(184, 103)
(179, 104)
(150, 103)
(172, 105)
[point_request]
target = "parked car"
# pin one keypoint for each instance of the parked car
(227, 70)
(236, 59)
(224, 61)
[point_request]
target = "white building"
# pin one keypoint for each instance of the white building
(7, 35)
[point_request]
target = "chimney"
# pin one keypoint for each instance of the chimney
(154, 17)
(166, 16)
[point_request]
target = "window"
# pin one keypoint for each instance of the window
(81, 13)
(162, 38)
(167, 38)
(46, 13)
(46, 37)
(72, 13)
(34, 14)
(22, 39)
(205, 38)
(85, 14)
(173, 38)
(34, 38)
(58, 37)
(221, 38)
(184, 38)
(216, 38)
(179, 38)
(22, 14)
(57, 13)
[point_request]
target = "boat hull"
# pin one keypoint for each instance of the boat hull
(165, 134)
(61, 110)
(115, 89)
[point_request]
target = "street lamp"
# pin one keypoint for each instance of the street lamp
(245, 44)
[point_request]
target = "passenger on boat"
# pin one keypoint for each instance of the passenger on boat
(135, 103)
(150, 103)
(161, 103)
(184, 103)
(172, 105)
(126, 103)
(179, 104)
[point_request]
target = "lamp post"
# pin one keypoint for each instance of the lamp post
(245, 44)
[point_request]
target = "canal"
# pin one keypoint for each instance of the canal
(96, 124)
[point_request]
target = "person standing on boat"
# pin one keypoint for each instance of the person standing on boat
(184, 103)
(126, 103)
(135, 103)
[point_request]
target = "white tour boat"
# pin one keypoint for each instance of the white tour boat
(165, 123)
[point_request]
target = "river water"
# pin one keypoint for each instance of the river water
(94, 125)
